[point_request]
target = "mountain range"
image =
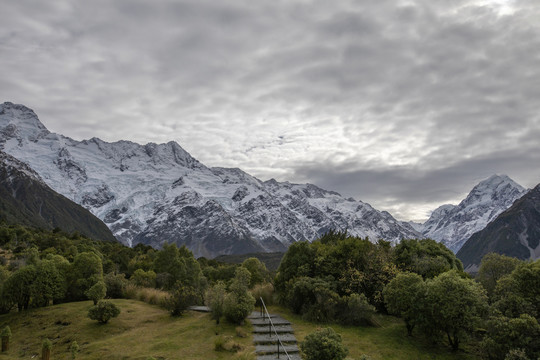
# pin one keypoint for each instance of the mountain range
(157, 193)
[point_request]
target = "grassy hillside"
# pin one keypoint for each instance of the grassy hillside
(387, 342)
(140, 331)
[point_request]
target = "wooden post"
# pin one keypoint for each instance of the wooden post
(46, 350)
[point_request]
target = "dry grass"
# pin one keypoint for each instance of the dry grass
(148, 295)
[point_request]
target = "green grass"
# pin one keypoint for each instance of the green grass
(389, 341)
(140, 331)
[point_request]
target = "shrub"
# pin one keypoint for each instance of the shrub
(237, 306)
(323, 344)
(116, 285)
(516, 354)
(219, 343)
(181, 299)
(357, 310)
(96, 292)
(103, 311)
(214, 299)
(74, 349)
(240, 332)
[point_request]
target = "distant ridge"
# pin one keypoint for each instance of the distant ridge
(515, 232)
(26, 200)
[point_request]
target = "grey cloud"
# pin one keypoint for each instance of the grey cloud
(377, 92)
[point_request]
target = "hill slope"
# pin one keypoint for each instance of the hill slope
(25, 199)
(515, 232)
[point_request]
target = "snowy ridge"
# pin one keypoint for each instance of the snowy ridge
(158, 193)
(453, 225)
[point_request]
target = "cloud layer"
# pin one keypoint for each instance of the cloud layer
(402, 104)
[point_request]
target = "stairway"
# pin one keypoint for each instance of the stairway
(266, 343)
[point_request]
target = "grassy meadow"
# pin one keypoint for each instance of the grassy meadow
(387, 342)
(140, 331)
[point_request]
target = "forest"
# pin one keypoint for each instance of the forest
(337, 279)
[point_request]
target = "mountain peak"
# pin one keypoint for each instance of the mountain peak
(453, 225)
(20, 122)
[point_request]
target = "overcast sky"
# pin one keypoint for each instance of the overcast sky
(405, 105)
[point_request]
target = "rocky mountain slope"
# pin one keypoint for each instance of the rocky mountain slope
(454, 224)
(515, 232)
(25, 199)
(158, 193)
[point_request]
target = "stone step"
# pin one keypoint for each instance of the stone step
(281, 357)
(257, 315)
(276, 321)
(272, 349)
(265, 339)
(280, 329)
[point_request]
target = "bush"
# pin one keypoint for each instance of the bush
(323, 344)
(74, 349)
(237, 307)
(182, 298)
(96, 292)
(116, 285)
(356, 310)
(214, 299)
(103, 311)
(219, 343)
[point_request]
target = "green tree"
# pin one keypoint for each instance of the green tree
(48, 284)
(425, 257)
(504, 334)
(177, 265)
(103, 312)
(115, 284)
(324, 344)
(214, 299)
(453, 306)
(257, 269)
(86, 270)
(181, 298)
(18, 287)
(403, 297)
(144, 278)
(492, 268)
(96, 292)
(519, 293)
(239, 303)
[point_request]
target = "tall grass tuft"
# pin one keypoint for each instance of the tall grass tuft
(264, 291)
(148, 295)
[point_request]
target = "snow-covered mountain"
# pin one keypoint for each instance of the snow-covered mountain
(25, 199)
(158, 193)
(454, 224)
(515, 232)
